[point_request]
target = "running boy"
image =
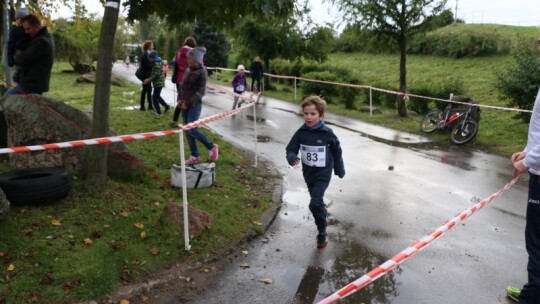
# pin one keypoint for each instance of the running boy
(320, 153)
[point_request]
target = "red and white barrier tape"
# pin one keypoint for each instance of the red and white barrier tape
(380, 90)
(412, 250)
(131, 137)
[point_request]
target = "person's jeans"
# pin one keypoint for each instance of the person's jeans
(190, 115)
(158, 100)
(146, 91)
(316, 205)
(530, 293)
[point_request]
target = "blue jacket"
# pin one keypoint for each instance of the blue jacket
(320, 152)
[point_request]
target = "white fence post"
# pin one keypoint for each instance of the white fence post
(370, 102)
(184, 192)
(294, 88)
(255, 129)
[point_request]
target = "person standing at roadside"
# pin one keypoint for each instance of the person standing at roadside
(146, 67)
(256, 72)
(179, 67)
(529, 160)
(192, 90)
(36, 60)
(18, 40)
(239, 85)
(158, 80)
(320, 154)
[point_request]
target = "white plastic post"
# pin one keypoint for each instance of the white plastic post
(184, 192)
(255, 129)
(294, 88)
(370, 102)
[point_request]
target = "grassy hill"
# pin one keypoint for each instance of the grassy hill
(499, 132)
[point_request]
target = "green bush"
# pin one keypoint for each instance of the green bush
(519, 83)
(348, 95)
(326, 91)
(435, 90)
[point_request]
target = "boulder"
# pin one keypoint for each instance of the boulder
(91, 78)
(38, 120)
(173, 215)
(4, 205)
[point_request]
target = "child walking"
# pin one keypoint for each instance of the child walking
(239, 84)
(192, 91)
(158, 80)
(320, 154)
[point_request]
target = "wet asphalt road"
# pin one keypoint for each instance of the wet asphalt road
(374, 214)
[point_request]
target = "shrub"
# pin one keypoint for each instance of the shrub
(519, 83)
(326, 91)
(435, 90)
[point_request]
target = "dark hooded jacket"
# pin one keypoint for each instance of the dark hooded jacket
(36, 63)
(322, 138)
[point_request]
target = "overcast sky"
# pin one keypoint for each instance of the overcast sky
(510, 12)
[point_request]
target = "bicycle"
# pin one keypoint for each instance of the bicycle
(465, 127)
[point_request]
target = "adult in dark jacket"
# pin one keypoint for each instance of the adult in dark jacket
(256, 72)
(146, 67)
(18, 40)
(36, 61)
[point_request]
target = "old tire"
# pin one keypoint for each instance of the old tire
(35, 185)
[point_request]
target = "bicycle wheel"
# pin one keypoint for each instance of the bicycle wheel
(431, 121)
(463, 132)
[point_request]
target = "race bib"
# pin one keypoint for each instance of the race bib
(313, 156)
(240, 88)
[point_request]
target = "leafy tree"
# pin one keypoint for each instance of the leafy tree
(519, 83)
(398, 20)
(215, 43)
(283, 39)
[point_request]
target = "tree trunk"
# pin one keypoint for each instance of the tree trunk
(97, 164)
(401, 106)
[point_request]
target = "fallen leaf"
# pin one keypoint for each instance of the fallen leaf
(26, 231)
(88, 241)
(144, 298)
(138, 225)
(143, 234)
(56, 223)
(2, 254)
(245, 252)
(11, 267)
(47, 279)
(245, 265)
(124, 214)
(154, 251)
(75, 282)
(257, 223)
(206, 270)
(34, 299)
(124, 301)
(98, 234)
(267, 281)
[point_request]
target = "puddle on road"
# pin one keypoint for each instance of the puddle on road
(355, 261)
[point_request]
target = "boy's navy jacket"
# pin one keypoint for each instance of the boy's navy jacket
(317, 136)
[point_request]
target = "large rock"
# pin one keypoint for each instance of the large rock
(4, 205)
(173, 215)
(91, 78)
(37, 120)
